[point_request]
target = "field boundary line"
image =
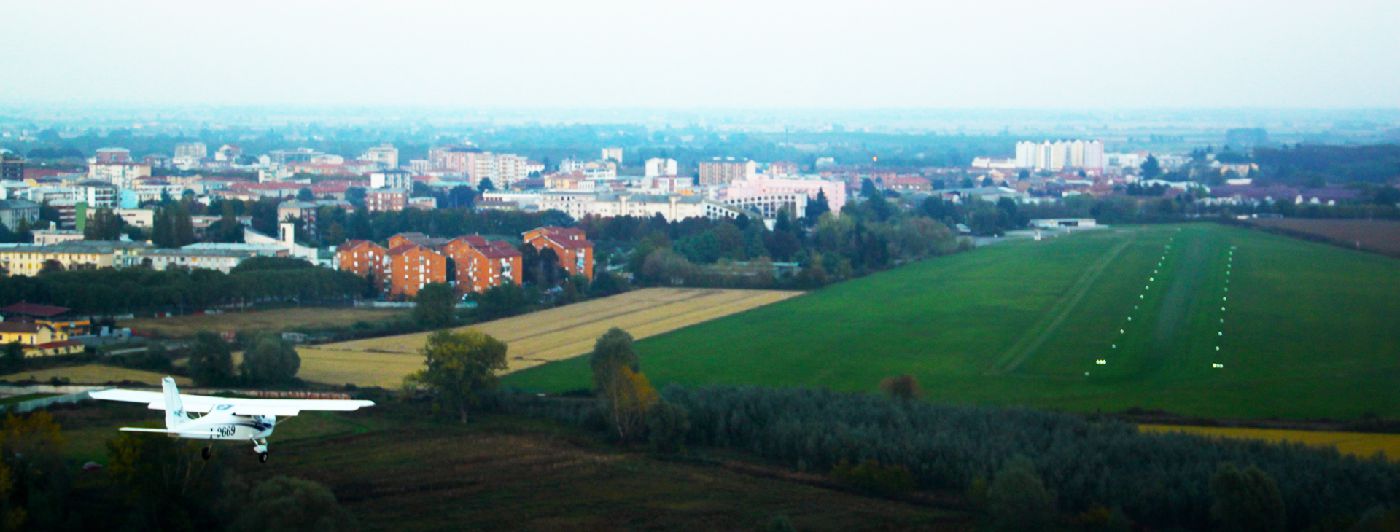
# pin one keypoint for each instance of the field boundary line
(654, 327)
(593, 320)
(1059, 312)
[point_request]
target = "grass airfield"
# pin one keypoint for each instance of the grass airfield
(1308, 329)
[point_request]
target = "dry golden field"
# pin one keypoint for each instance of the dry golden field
(266, 320)
(538, 337)
(1362, 444)
(93, 374)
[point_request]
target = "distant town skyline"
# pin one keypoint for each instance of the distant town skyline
(1006, 54)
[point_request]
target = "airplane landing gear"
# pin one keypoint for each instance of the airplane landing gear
(260, 447)
(206, 453)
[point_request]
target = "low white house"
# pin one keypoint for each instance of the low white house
(1063, 223)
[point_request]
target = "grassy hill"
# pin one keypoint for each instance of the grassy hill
(1306, 331)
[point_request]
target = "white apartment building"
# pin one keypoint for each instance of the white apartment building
(391, 179)
(657, 167)
(1060, 155)
(719, 171)
(189, 155)
(612, 154)
(384, 155)
(672, 207)
(119, 174)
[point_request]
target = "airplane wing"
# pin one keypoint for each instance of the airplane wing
(162, 431)
(242, 407)
(290, 407)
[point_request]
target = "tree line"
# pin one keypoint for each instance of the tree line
(1085, 465)
(868, 236)
(259, 280)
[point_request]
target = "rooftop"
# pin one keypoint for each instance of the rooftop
(24, 308)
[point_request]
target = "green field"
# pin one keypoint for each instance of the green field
(1308, 331)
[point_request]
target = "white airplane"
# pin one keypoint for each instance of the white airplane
(224, 418)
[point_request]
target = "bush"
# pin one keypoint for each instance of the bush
(1246, 500)
(780, 523)
(1017, 500)
(270, 360)
(1378, 519)
(211, 362)
(434, 306)
(12, 358)
(284, 503)
(667, 425)
(902, 387)
(154, 358)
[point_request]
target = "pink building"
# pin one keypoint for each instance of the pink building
(760, 188)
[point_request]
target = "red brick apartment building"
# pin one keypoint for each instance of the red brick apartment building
(413, 260)
(570, 244)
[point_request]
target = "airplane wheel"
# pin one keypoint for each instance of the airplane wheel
(262, 457)
(206, 452)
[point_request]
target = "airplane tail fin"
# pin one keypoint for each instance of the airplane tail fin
(174, 409)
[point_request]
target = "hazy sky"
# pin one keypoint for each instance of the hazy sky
(664, 53)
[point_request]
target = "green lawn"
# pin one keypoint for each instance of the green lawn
(1309, 330)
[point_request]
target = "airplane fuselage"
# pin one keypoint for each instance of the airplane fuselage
(221, 424)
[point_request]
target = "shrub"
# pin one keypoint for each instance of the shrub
(211, 362)
(667, 425)
(270, 360)
(1246, 499)
(902, 387)
(1017, 500)
(283, 503)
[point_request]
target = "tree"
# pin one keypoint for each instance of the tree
(459, 367)
(1246, 499)
(166, 485)
(666, 267)
(270, 360)
(667, 425)
(612, 350)
(51, 266)
(868, 189)
(461, 197)
(103, 224)
(1387, 195)
(227, 229)
(305, 194)
(285, 503)
(1010, 214)
(816, 208)
(173, 226)
(211, 363)
(355, 196)
(23, 234)
(1151, 168)
(625, 393)
(486, 185)
(902, 387)
(12, 358)
(606, 284)
(505, 299)
(34, 479)
(1016, 498)
(434, 307)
